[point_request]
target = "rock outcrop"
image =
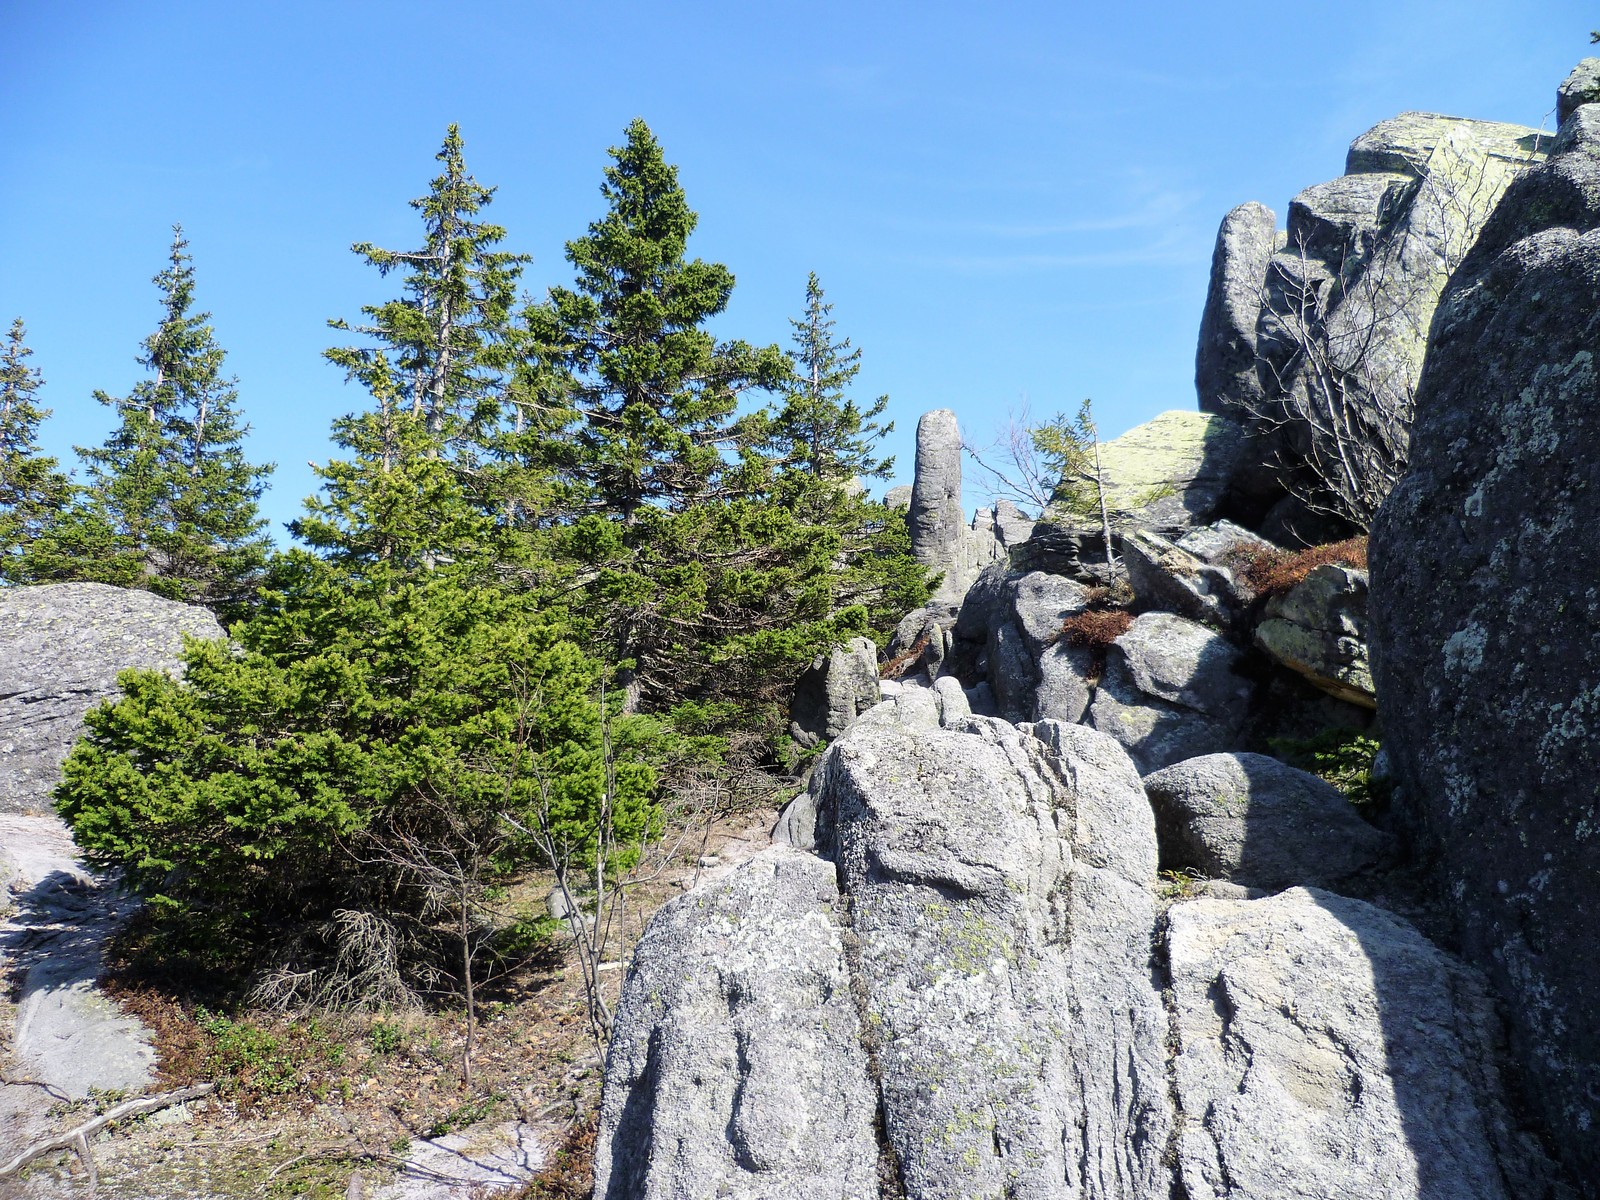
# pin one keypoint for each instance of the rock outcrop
(959, 995)
(1171, 691)
(837, 688)
(64, 644)
(941, 538)
(1487, 625)
(980, 970)
(1171, 473)
(1225, 375)
(1342, 304)
(738, 1067)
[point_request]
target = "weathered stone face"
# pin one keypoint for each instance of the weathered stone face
(1171, 691)
(1486, 630)
(1171, 473)
(737, 1067)
(1342, 305)
(1253, 820)
(1225, 376)
(61, 646)
(1319, 630)
(1328, 1050)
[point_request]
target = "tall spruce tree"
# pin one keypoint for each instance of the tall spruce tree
(171, 484)
(413, 490)
(34, 492)
(713, 571)
(661, 458)
(819, 428)
(824, 445)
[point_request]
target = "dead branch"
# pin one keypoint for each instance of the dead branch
(77, 1138)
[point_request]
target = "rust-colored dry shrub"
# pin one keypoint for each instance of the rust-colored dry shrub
(1096, 628)
(1273, 572)
(901, 663)
(569, 1173)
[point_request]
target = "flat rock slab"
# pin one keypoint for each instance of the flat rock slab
(489, 1161)
(68, 1037)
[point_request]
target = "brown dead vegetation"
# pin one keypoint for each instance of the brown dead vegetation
(903, 662)
(1274, 572)
(1096, 628)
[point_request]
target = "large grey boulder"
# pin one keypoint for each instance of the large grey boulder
(1165, 576)
(1001, 890)
(1171, 691)
(1258, 822)
(1340, 218)
(1330, 1052)
(1225, 377)
(1580, 87)
(61, 647)
(737, 1067)
(1404, 144)
(838, 686)
(1319, 629)
(1348, 297)
(1173, 472)
(1486, 646)
(1031, 675)
(972, 967)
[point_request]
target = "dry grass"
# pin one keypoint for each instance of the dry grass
(1274, 572)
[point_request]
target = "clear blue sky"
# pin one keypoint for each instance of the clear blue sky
(1005, 202)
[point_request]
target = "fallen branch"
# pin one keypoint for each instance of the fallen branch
(77, 1138)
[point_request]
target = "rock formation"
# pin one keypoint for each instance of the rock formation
(1319, 630)
(949, 984)
(1254, 821)
(838, 687)
(1336, 313)
(1486, 579)
(941, 539)
(61, 648)
(1172, 690)
(1171, 473)
(64, 645)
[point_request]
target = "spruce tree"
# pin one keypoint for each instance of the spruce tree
(34, 492)
(413, 490)
(660, 451)
(819, 428)
(171, 483)
(823, 444)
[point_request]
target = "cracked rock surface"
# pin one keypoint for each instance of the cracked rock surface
(64, 644)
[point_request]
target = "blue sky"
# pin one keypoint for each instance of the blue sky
(1007, 204)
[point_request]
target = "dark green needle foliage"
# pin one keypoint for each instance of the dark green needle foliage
(34, 492)
(286, 777)
(819, 428)
(715, 571)
(414, 490)
(172, 498)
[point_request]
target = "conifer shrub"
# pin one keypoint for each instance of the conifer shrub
(302, 787)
